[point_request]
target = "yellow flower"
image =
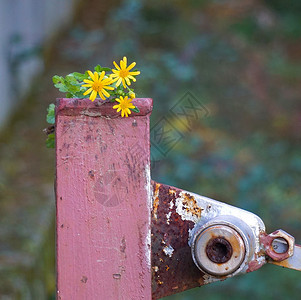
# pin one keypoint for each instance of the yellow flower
(123, 73)
(132, 94)
(124, 106)
(98, 85)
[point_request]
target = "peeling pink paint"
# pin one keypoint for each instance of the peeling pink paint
(103, 201)
(255, 265)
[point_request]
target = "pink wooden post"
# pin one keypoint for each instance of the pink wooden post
(103, 201)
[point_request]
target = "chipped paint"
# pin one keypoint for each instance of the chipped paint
(149, 206)
(168, 217)
(172, 192)
(209, 279)
(256, 264)
(174, 218)
(187, 207)
(168, 250)
(170, 229)
(156, 200)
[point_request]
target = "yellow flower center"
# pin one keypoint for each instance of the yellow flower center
(97, 86)
(123, 73)
(123, 105)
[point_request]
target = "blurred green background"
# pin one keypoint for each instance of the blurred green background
(240, 59)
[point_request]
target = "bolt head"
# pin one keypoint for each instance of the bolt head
(218, 250)
(268, 242)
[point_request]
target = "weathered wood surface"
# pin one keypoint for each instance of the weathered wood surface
(103, 201)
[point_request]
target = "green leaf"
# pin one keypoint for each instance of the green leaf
(51, 114)
(136, 109)
(97, 68)
(50, 142)
(73, 88)
(57, 79)
(62, 87)
(105, 69)
(70, 79)
(72, 84)
(79, 76)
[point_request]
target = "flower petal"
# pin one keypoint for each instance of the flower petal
(134, 73)
(105, 93)
(127, 81)
(95, 76)
(90, 74)
(101, 95)
(116, 66)
(102, 74)
(108, 88)
(132, 77)
(93, 95)
(119, 81)
(116, 73)
(131, 66)
(88, 81)
(122, 65)
(106, 81)
(88, 92)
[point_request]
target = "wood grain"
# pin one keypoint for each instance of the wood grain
(103, 202)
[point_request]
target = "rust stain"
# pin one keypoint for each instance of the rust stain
(284, 263)
(190, 205)
(214, 253)
(156, 200)
(174, 270)
(155, 268)
(172, 192)
(266, 240)
(188, 208)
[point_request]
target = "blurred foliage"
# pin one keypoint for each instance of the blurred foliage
(27, 240)
(242, 62)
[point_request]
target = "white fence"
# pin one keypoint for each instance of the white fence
(25, 25)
